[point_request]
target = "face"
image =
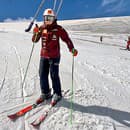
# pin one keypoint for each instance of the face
(48, 20)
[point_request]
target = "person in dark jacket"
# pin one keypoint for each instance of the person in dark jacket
(101, 39)
(128, 44)
(50, 33)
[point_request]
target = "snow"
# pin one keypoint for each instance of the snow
(101, 76)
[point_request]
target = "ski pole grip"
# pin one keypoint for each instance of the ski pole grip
(36, 25)
(73, 50)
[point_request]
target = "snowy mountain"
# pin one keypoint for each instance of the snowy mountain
(101, 76)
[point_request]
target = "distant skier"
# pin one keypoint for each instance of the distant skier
(101, 39)
(128, 44)
(50, 32)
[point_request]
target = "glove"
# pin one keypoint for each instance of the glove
(36, 34)
(36, 29)
(74, 52)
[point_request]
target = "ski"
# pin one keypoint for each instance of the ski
(123, 48)
(23, 111)
(40, 119)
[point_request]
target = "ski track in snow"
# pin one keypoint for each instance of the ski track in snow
(101, 81)
(6, 68)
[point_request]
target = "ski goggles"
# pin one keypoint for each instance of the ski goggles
(49, 18)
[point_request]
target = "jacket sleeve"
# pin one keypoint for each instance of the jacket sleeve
(65, 37)
(36, 36)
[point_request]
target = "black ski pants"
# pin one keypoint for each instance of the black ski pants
(50, 65)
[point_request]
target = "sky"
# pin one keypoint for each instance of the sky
(71, 9)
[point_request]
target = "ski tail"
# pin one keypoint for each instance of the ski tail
(23, 111)
(29, 27)
(13, 116)
(35, 16)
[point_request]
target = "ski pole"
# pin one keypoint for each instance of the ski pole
(54, 4)
(35, 16)
(59, 6)
(29, 61)
(61, 1)
(28, 65)
(72, 90)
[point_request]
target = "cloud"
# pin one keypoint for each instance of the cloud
(18, 20)
(114, 6)
(108, 2)
(120, 7)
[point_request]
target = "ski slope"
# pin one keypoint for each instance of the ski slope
(101, 76)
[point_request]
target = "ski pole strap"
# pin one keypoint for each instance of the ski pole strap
(72, 92)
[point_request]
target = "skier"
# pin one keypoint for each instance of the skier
(101, 39)
(128, 44)
(50, 32)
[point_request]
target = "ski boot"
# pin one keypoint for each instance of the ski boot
(55, 99)
(43, 97)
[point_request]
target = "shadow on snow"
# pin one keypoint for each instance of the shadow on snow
(118, 115)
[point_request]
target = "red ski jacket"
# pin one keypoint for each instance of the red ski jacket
(50, 36)
(128, 42)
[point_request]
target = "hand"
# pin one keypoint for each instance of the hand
(74, 52)
(36, 29)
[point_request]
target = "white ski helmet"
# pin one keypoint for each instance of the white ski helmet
(49, 12)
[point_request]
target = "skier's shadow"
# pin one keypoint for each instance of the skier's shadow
(118, 115)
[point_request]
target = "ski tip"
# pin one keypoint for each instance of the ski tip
(12, 117)
(35, 125)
